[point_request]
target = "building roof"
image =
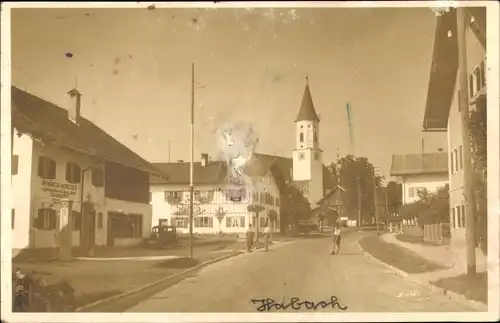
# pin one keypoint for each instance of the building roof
(212, 174)
(307, 111)
(48, 122)
(215, 172)
(330, 192)
(418, 164)
(444, 66)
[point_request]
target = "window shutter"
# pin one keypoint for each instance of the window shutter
(15, 162)
(52, 164)
(41, 162)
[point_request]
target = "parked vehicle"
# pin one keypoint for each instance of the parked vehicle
(161, 236)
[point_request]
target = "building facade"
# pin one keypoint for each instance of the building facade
(307, 156)
(443, 111)
(63, 163)
(268, 179)
(420, 172)
(216, 208)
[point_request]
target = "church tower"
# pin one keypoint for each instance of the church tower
(307, 156)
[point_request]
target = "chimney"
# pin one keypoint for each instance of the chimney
(74, 106)
(204, 160)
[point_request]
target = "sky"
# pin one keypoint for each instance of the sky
(133, 67)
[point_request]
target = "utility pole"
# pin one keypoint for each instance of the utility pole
(359, 203)
(191, 156)
(375, 200)
(464, 111)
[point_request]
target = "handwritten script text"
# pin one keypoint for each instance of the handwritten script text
(268, 304)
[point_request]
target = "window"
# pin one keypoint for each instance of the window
(461, 157)
(471, 85)
(301, 156)
(15, 164)
(452, 157)
(13, 218)
(301, 137)
(255, 197)
(125, 225)
(456, 160)
(463, 215)
(100, 220)
(483, 74)
(453, 221)
(172, 194)
(262, 222)
(479, 75)
(46, 167)
(315, 137)
(180, 222)
(97, 177)
(77, 220)
(459, 217)
(73, 173)
(203, 222)
(46, 219)
(262, 198)
(277, 201)
(235, 222)
(411, 192)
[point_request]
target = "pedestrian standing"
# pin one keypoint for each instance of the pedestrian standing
(336, 239)
(267, 233)
(249, 238)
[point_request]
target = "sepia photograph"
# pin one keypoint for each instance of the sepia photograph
(260, 161)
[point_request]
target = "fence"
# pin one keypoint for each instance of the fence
(436, 232)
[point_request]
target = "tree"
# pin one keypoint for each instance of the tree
(348, 171)
(295, 206)
(478, 139)
(220, 213)
(430, 208)
(394, 197)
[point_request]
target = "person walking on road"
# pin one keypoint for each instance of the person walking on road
(249, 238)
(267, 233)
(336, 239)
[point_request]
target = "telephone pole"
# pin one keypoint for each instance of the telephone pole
(375, 202)
(359, 203)
(191, 156)
(470, 238)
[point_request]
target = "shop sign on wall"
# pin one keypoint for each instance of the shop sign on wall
(58, 191)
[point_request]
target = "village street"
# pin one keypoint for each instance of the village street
(302, 269)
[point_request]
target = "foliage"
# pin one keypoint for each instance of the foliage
(183, 207)
(255, 208)
(295, 206)
(348, 171)
(477, 137)
(430, 208)
(220, 213)
(478, 141)
(394, 197)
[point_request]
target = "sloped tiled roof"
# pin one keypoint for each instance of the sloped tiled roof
(212, 174)
(45, 120)
(307, 111)
(414, 164)
(444, 66)
(215, 172)
(330, 192)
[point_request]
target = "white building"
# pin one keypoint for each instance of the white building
(270, 175)
(419, 172)
(57, 157)
(442, 112)
(216, 206)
